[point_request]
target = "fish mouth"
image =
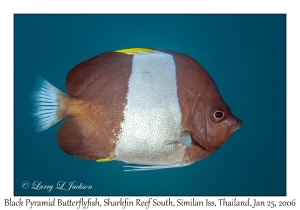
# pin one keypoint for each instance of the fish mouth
(238, 125)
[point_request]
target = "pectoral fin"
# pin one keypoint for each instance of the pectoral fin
(185, 139)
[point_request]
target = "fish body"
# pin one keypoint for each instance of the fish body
(140, 106)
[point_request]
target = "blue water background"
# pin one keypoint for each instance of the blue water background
(246, 56)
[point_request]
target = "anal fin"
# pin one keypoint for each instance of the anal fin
(104, 160)
(77, 137)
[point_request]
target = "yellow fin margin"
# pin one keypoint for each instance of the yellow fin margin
(104, 160)
(135, 50)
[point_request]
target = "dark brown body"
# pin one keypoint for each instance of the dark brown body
(98, 88)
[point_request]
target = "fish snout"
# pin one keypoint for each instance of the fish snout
(238, 124)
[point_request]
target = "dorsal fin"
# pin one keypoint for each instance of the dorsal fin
(131, 51)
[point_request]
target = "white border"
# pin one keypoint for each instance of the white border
(8, 8)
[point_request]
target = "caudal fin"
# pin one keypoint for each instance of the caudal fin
(48, 105)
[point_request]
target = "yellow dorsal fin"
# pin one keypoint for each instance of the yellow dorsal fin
(135, 50)
(104, 160)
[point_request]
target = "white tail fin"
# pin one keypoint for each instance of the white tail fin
(47, 104)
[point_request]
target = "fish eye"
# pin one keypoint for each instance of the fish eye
(218, 114)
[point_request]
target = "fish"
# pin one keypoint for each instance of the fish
(153, 109)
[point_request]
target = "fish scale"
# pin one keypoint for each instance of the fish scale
(148, 118)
